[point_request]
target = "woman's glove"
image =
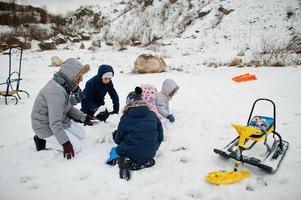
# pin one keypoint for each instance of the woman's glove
(68, 150)
(88, 120)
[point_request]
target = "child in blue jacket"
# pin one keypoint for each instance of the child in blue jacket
(138, 137)
(95, 91)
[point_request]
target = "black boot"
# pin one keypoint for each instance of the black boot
(40, 143)
(124, 168)
(148, 163)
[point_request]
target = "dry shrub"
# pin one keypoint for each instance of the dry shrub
(38, 33)
(294, 45)
(273, 53)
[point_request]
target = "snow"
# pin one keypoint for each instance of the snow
(207, 103)
(205, 106)
(5, 29)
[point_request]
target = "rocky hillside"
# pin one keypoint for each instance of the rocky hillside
(217, 30)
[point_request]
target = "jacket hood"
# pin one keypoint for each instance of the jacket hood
(71, 68)
(138, 112)
(137, 108)
(169, 86)
(104, 69)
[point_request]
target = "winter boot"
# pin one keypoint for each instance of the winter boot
(40, 143)
(148, 163)
(124, 168)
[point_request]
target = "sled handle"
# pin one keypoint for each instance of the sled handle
(274, 110)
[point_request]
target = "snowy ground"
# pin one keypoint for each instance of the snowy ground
(207, 103)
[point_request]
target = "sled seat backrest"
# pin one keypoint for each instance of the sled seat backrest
(265, 124)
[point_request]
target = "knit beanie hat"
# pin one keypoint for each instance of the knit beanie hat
(134, 95)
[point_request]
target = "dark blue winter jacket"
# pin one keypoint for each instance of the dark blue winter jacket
(139, 134)
(95, 92)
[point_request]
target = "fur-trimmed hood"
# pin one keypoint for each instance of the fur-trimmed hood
(136, 104)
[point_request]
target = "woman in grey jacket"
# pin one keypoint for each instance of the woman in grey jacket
(53, 110)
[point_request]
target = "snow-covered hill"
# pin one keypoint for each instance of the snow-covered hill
(215, 30)
(207, 103)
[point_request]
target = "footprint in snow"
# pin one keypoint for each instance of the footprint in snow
(252, 185)
(283, 181)
(33, 186)
(83, 176)
(25, 179)
(179, 149)
(184, 159)
(250, 188)
(262, 181)
(194, 194)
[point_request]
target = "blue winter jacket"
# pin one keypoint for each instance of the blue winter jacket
(95, 91)
(139, 134)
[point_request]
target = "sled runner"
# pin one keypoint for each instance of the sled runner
(243, 149)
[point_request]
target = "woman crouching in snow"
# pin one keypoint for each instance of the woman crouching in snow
(53, 110)
(138, 137)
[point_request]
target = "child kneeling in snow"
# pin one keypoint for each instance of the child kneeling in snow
(149, 93)
(169, 88)
(138, 137)
(158, 102)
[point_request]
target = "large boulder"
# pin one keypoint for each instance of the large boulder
(56, 61)
(149, 64)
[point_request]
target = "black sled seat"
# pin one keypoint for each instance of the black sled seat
(258, 129)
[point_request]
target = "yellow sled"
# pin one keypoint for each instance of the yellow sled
(257, 129)
(226, 177)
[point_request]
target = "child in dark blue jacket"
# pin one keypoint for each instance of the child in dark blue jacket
(95, 91)
(138, 136)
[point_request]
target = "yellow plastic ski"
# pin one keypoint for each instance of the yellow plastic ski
(226, 177)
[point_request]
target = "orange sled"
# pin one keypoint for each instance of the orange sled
(244, 77)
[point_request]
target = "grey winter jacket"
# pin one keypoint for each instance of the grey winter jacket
(162, 98)
(52, 108)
